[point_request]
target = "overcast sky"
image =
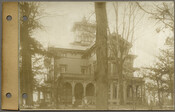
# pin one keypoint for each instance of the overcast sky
(62, 15)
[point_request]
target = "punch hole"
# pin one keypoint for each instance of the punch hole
(24, 95)
(9, 18)
(8, 95)
(25, 18)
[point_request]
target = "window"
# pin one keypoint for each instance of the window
(109, 68)
(115, 91)
(90, 69)
(63, 68)
(47, 97)
(95, 66)
(84, 70)
(112, 68)
(129, 91)
(41, 95)
(63, 54)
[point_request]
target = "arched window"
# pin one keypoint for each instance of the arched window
(78, 91)
(66, 96)
(67, 89)
(90, 90)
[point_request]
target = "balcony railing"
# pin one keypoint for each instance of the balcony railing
(134, 100)
(74, 75)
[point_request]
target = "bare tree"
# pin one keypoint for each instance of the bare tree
(161, 12)
(120, 45)
(101, 53)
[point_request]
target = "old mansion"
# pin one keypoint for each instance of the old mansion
(76, 66)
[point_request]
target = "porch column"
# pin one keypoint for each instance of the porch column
(73, 97)
(134, 93)
(111, 90)
(44, 95)
(39, 95)
(141, 94)
(84, 89)
(95, 92)
(135, 90)
(118, 93)
(95, 89)
(124, 91)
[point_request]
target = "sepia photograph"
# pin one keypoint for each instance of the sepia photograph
(116, 55)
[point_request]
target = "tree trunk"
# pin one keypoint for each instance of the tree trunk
(172, 98)
(158, 92)
(171, 86)
(26, 77)
(162, 97)
(101, 52)
(120, 74)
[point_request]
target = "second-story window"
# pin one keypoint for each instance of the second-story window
(63, 68)
(63, 55)
(89, 69)
(84, 70)
(95, 66)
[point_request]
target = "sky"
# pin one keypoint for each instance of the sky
(60, 17)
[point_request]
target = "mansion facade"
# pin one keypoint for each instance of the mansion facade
(76, 67)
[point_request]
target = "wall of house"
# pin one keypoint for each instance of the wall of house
(73, 62)
(92, 62)
(112, 68)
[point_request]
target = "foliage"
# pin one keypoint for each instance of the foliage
(31, 11)
(161, 73)
(28, 46)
